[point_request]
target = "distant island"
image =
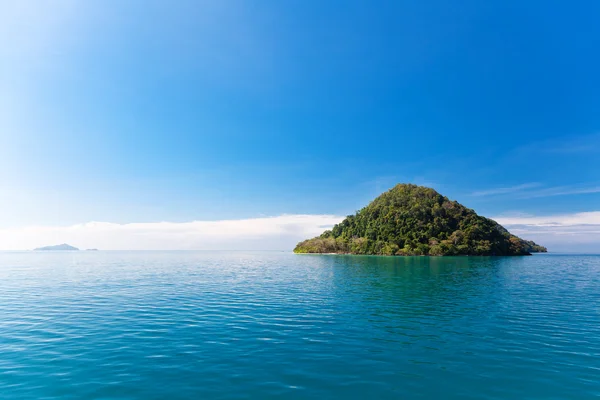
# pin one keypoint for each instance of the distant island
(411, 220)
(63, 246)
(91, 249)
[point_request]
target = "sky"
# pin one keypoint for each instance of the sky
(232, 124)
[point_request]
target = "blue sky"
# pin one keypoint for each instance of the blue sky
(150, 111)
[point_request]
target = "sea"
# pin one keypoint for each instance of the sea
(275, 325)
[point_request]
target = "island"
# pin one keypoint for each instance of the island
(91, 249)
(410, 220)
(57, 247)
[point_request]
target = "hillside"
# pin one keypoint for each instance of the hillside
(415, 220)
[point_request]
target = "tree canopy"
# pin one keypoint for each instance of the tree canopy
(416, 220)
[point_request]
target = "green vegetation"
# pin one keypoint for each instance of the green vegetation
(415, 220)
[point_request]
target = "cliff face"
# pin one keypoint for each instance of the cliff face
(415, 220)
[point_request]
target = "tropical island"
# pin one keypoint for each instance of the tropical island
(410, 220)
(58, 247)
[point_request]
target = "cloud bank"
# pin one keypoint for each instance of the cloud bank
(579, 232)
(561, 232)
(267, 233)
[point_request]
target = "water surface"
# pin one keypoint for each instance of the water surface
(181, 325)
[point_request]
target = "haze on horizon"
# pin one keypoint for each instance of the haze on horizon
(230, 125)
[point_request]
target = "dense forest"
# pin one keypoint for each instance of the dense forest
(415, 220)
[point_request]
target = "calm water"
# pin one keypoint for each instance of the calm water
(191, 325)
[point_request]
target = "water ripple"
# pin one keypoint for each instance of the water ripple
(179, 325)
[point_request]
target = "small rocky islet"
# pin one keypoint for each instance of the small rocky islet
(58, 247)
(410, 220)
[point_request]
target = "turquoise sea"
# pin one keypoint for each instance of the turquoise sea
(250, 325)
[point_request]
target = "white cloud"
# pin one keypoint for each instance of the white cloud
(268, 233)
(504, 190)
(523, 192)
(560, 232)
(583, 218)
(560, 191)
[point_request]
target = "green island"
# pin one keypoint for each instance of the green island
(410, 220)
